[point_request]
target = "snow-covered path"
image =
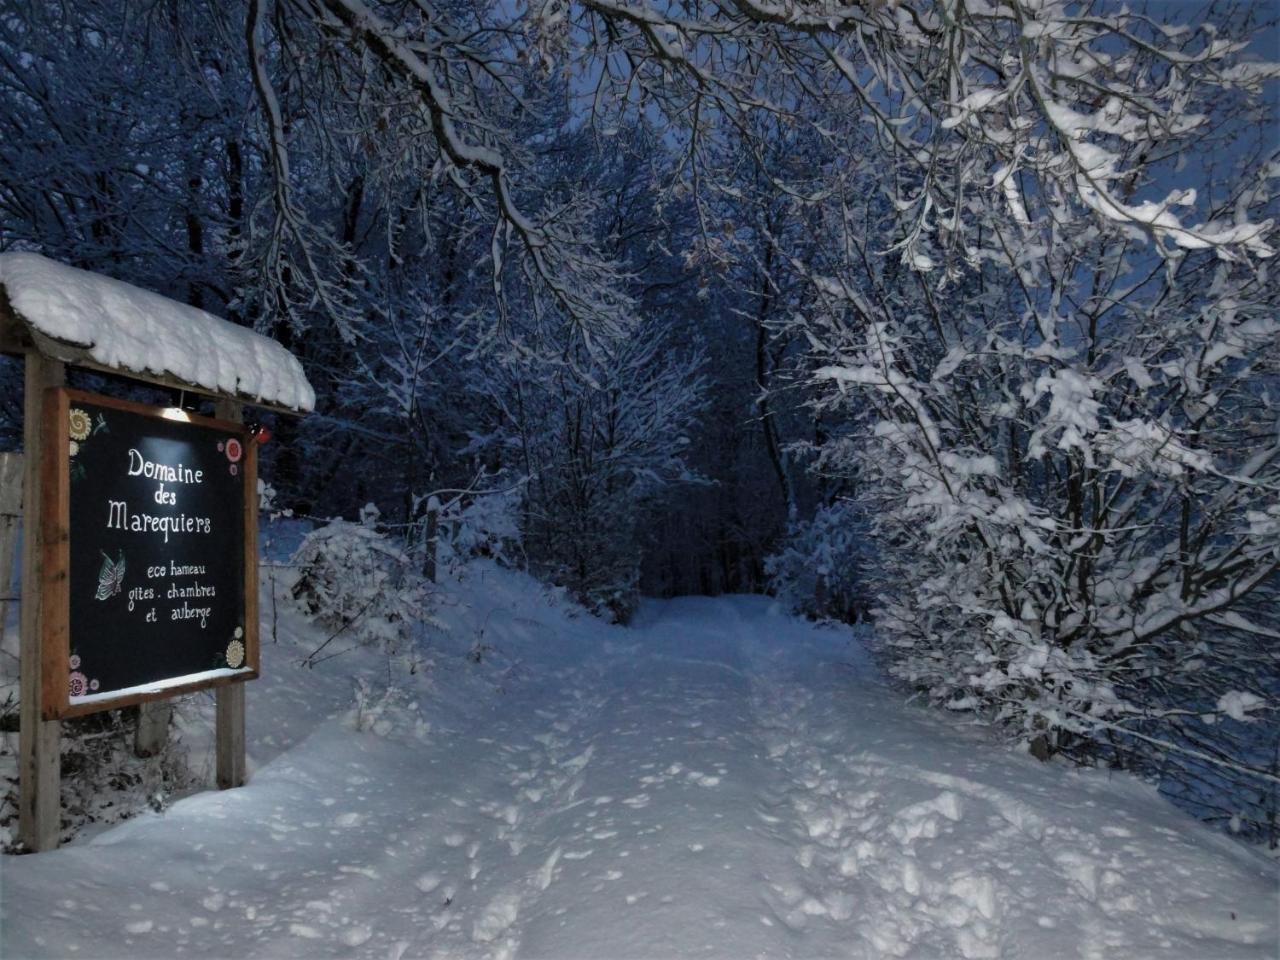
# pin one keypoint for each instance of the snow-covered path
(718, 780)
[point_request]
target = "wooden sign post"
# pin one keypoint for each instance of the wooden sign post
(39, 739)
(140, 574)
(140, 524)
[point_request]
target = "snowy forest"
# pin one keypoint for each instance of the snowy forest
(953, 318)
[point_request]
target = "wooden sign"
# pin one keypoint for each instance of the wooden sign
(150, 556)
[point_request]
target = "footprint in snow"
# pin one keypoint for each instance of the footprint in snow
(510, 815)
(356, 936)
(368, 872)
(575, 764)
(428, 882)
(500, 913)
(546, 873)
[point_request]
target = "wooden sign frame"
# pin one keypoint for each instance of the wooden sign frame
(55, 507)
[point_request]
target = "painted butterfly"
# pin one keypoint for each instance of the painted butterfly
(110, 577)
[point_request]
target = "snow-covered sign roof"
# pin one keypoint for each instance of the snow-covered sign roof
(110, 324)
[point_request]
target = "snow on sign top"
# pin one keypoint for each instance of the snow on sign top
(126, 328)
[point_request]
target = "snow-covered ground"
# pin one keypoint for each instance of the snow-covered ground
(717, 780)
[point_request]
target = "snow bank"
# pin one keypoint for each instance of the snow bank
(131, 329)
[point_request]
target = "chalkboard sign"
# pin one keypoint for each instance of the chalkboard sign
(150, 556)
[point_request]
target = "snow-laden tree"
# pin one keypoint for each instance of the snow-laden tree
(119, 147)
(1059, 337)
(419, 95)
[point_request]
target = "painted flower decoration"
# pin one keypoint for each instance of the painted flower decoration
(93, 684)
(80, 424)
(75, 448)
(79, 684)
(234, 469)
(74, 662)
(235, 654)
(234, 450)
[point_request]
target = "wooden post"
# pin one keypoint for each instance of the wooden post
(39, 764)
(229, 725)
(10, 511)
(152, 732)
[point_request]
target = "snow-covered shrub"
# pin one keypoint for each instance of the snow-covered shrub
(485, 524)
(353, 577)
(386, 711)
(819, 569)
(102, 780)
